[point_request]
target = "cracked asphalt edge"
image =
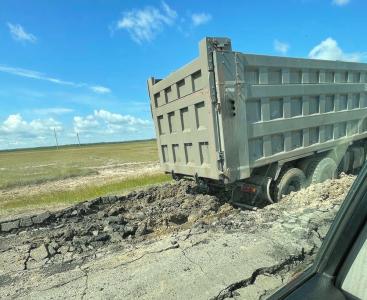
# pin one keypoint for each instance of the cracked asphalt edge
(278, 269)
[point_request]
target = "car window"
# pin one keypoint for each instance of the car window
(355, 269)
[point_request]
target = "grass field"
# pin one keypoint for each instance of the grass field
(49, 177)
(81, 193)
(32, 166)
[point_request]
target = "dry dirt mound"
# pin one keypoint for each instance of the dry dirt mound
(88, 227)
(296, 207)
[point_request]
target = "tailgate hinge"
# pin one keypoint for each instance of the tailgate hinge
(220, 155)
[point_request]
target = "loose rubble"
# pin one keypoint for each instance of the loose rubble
(91, 225)
(85, 233)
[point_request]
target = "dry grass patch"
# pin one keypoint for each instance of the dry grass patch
(68, 197)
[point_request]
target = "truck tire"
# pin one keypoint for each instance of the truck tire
(289, 180)
(321, 169)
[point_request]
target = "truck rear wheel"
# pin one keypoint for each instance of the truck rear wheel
(291, 180)
(321, 169)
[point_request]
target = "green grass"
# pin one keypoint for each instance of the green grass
(49, 175)
(79, 194)
(33, 166)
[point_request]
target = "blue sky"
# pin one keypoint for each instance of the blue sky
(81, 66)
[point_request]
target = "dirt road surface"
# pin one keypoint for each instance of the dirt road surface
(165, 242)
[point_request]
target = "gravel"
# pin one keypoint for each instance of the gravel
(109, 224)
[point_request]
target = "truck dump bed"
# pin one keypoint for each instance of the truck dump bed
(226, 113)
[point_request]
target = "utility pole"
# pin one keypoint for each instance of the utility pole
(77, 135)
(57, 142)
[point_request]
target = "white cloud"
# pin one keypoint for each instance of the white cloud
(144, 24)
(100, 126)
(82, 124)
(119, 119)
(100, 89)
(200, 18)
(105, 122)
(33, 74)
(13, 123)
(52, 111)
(19, 34)
(330, 50)
(18, 132)
(281, 47)
(17, 127)
(47, 125)
(341, 2)
(41, 76)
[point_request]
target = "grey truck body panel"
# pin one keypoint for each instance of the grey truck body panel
(226, 113)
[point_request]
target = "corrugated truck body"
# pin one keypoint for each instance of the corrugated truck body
(227, 113)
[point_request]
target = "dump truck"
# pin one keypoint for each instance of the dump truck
(259, 126)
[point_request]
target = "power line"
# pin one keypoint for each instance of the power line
(77, 135)
(57, 142)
